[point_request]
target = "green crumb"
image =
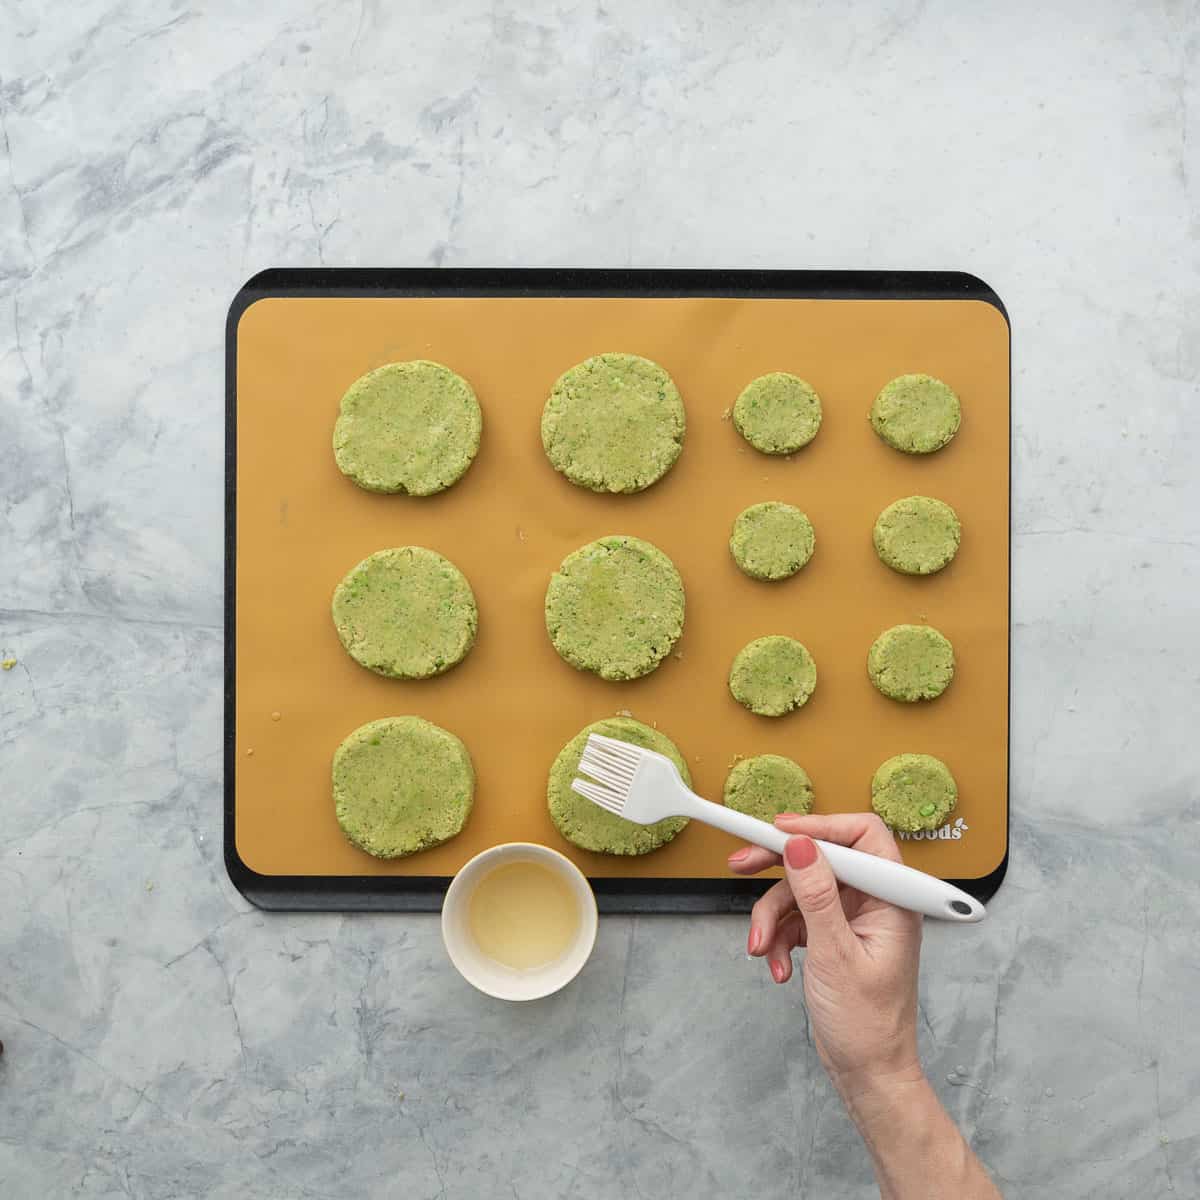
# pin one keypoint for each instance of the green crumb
(773, 675)
(771, 540)
(615, 607)
(917, 535)
(407, 427)
(766, 785)
(614, 423)
(911, 662)
(586, 824)
(912, 792)
(8, 664)
(916, 414)
(406, 613)
(401, 784)
(778, 413)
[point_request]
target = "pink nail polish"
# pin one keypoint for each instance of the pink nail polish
(740, 855)
(800, 852)
(777, 972)
(754, 942)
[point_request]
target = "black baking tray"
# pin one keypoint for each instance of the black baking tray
(424, 893)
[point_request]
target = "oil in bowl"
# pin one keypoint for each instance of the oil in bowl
(519, 921)
(523, 915)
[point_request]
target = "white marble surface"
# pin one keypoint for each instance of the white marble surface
(162, 1039)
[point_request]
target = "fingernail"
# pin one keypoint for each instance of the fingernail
(740, 855)
(800, 852)
(777, 972)
(755, 941)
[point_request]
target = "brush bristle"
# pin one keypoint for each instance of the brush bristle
(606, 760)
(615, 747)
(599, 795)
(614, 777)
(612, 765)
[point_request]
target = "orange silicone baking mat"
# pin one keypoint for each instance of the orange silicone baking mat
(299, 525)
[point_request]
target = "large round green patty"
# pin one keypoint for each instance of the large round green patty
(410, 427)
(913, 791)
(766, 785)
(911, 662)
(588, 825)
(917, 535)
(406, 613)
(615, 607)
(401, 785)
(614, 423)
(773, 675)
(771, 540)
(777, 413)
(916, 414)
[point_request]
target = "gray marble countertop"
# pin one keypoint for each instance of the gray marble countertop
(164, 1039)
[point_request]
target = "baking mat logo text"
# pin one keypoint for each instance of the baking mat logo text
(947, 833)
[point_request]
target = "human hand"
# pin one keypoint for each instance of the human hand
(862, 954)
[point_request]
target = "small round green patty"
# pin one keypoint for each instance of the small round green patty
(767, 785)
(406, 613)
(913, 791)
(916, 414)
(773, 675)
(614, 423)
(401, 785)
(911, 662)
(917, 535)
(410, 427)
(777, 413)
(615, 607)
(588, 825)
(771, 540)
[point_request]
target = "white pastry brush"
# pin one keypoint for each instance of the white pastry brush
(643, 786)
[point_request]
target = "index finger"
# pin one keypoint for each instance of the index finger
(749, 860)
(860, 831)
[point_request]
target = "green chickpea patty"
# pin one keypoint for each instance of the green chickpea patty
(615, 607)
(407, 613)
(588, 825)
(766, 785)
(913, 792)
(400, 785)
(773, 675)
(410, 427)
(614, 423)
(777, 413)
(771, 540)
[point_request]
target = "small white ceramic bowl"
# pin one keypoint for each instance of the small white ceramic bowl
(490, 976)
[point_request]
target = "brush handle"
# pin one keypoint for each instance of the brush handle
(880, 877)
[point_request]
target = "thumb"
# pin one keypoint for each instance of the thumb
(816, 890)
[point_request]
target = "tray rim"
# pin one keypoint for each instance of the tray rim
(423, 893)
